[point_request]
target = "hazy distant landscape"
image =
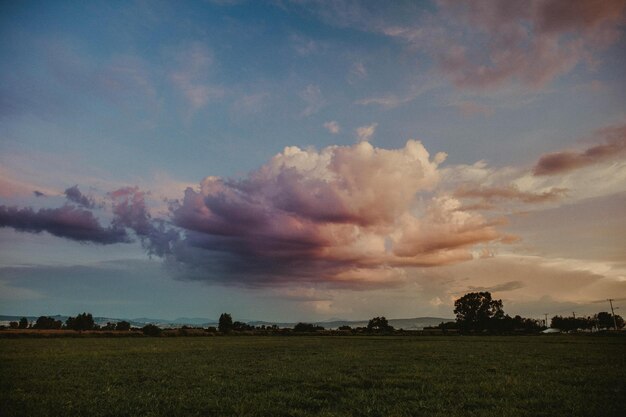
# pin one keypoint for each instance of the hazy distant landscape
(416, 323)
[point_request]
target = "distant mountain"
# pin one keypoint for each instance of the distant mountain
(416, 323)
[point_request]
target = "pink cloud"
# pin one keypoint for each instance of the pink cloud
(470, 108)
(73, 194)
(346, 216)
(67, 221)
(510, 192)
(565, 161)
(487, 43)
(130, 211)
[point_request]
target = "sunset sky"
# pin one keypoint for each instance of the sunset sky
(306, 160)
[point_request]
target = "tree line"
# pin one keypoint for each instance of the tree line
(476, 312)
(83, 321)
(479, 312)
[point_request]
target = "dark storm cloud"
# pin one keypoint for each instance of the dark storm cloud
(73, 194)
(130, 211)
(565, 161)
(67, 221)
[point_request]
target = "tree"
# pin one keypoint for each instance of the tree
(225, 324)
(123, 326)
(108, 326)
(83, 321)
(151, 330)
(572, 323)
(14, 325)
(46, 323)
(306, 327)
(23, 324)
(476, 311)
(605, 320)
(379, 324)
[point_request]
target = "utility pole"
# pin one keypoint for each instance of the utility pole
(610, 300)
(546, 320)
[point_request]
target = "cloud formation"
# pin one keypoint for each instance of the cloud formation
(67, 221)
(345, 216)
(565, 161)
(511, 192)
(130, 211)
(191, 76)
(332, 127)
(365, 133)
(312, 96)
(73, 194)
(486, 44)
(530, 42)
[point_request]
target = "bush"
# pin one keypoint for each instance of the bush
(151, 330)
(123, 326)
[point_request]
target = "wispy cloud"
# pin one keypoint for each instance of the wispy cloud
(332, 126)
(312, 96)
(73, 194)
(357, 72)
(510, 192)
(191, 76)
(488, 44)
(67, 222)
(470, 108)
(365, 133)
(565, 161)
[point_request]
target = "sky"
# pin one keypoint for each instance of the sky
(307, 160)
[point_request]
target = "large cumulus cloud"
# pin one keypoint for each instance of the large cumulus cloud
(345, 215)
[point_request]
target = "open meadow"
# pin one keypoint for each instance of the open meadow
(323, 376)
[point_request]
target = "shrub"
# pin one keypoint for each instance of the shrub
(151, 330)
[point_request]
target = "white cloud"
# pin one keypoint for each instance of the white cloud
(332, 126)
(191, 76)
(365, 133)
(312, 96)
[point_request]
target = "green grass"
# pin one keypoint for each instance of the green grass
(324, 376)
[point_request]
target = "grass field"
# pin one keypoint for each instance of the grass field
(323, 376)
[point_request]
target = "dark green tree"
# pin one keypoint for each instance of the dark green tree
(151, 330)
(46, 323)
(477, 311)
(83, 321)
(605, 320)
(123, 326)
(23, 324)
(306, 327)
(379, 324)
(108, 326)
(240, 326)
(225, 324)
